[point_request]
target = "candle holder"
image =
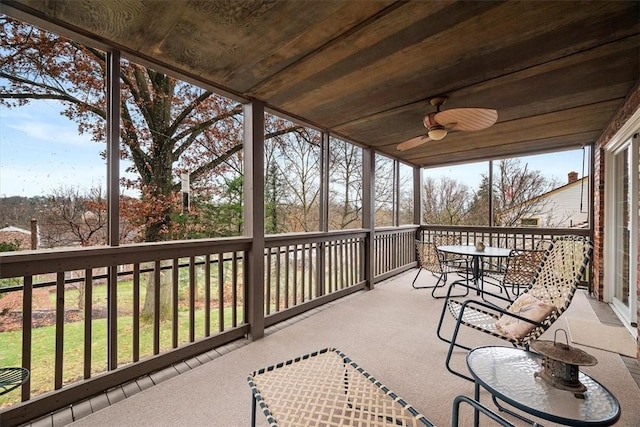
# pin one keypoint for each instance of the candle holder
(560, 364)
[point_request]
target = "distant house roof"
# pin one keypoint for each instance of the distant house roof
(11, 228)
(577, 182)
(573, 183)
(15, 235)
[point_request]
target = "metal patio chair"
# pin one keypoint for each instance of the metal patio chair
(519, 269)
(438, 263)
(12, 378)
(558, 275)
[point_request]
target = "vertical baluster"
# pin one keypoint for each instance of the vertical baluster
(112, 318)
(294, 269)
(361, 253)
(207, 295)
(303, 272)
(320, 261)
(59, 357)
(336, 265)
(278, 281)
(221, 292)
(245, 288)
(354, 261)
(313, 249)
(343, 282)
(27, 322)
(136, 312)
(391, 252)
(192, 299)
(286, 277)
(269, 278)
(88, 321)
(349, 259)
(330, 267)
(156, 307)
(175, 286)
(234, 289)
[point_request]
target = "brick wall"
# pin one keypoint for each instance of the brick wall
(630, 105)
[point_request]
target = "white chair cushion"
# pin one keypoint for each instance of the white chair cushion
(527, 306)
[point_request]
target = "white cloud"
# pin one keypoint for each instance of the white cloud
(41, 121)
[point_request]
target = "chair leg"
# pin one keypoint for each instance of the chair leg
(444, 309)
(413, 284)
(454, 344)
(442, 316)
(442, 278)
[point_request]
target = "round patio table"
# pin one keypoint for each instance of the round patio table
(470, 250)
(508, 373)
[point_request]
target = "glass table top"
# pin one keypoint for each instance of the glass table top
(508, 374)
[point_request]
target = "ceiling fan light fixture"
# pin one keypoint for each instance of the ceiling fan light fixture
(437, 132)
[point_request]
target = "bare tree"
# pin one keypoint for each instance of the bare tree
(74, 218)
(298, 165)
(405, 198)
(445, 201)
(516, 192)
(345, 183)
(384, 190)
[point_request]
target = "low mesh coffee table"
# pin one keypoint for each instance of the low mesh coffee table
(326, 388)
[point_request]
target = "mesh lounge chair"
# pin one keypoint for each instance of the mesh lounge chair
(558, 275)
(327, 388)
(438, 263)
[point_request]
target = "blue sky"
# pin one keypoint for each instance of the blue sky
(553, 166)
(40, 151)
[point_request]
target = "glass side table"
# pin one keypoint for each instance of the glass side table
(508, 374)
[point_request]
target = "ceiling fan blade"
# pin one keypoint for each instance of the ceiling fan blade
(413, 142)
(468, 119)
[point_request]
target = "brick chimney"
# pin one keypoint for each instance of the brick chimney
(573, 177)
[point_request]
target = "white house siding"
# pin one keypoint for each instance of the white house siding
(561, 207)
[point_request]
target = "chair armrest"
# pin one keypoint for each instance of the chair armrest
(481, 291)
(477, 406)
(488, 306)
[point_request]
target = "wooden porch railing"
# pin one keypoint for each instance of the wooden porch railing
(199, 302)
(505, 237)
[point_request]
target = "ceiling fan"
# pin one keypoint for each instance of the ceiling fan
(441, 122)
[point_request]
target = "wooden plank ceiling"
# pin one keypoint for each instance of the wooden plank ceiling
(556, 71)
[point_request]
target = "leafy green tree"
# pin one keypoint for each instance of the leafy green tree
(9, 246)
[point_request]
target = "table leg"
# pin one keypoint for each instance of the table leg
(476, 412)
(476, 272)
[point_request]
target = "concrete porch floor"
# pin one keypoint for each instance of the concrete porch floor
(390, 332)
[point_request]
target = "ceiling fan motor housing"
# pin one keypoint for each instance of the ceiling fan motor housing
(430, 121)
(436, 130)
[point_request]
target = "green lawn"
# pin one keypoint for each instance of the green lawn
(43, 340)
